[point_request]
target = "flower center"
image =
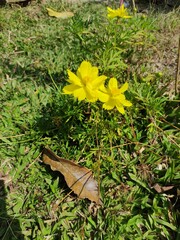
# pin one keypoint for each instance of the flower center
(86, 80)
(114, 91)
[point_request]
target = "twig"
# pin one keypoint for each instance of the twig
(177, 79)
(134, 7)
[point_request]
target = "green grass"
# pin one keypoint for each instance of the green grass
(128, 154)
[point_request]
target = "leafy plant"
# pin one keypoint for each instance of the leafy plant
(130, 154)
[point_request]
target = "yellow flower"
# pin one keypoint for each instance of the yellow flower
(112, 96)
(85, 83)
(120, 12)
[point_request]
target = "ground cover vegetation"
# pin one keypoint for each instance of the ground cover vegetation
(132, 148)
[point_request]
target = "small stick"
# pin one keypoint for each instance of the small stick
(177, 79)
(134, 6)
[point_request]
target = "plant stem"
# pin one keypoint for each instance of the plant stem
(134, 6)
(177, 80)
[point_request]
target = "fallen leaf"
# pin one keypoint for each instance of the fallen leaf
(161, 189)
(62, 15)
(78, 178)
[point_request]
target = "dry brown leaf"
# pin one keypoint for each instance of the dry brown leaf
(78, 178)
(161, 189)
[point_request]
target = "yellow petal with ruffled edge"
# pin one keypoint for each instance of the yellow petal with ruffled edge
(80, 94)
(86, 70)
(108, 106)
(73, 78)
(121, 109)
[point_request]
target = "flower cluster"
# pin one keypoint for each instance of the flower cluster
(87, 84)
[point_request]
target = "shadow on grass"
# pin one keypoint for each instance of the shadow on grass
(63, 119)
(30, 72)
(9, 226)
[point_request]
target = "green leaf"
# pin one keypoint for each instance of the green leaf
(139, 182)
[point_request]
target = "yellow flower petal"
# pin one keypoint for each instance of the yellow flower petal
(121, 109)
(127, 103)
(113, 84)
(97, 82)
(103, 89)
(109, 105)
(73, 78)
(94, 72)
(91, 99)
(103, 97)
(85, 70)
(91, 94)
(120, 98)
(80, 94)
(110, 9)
(111, 12)
(124, 87)
(69, 89)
